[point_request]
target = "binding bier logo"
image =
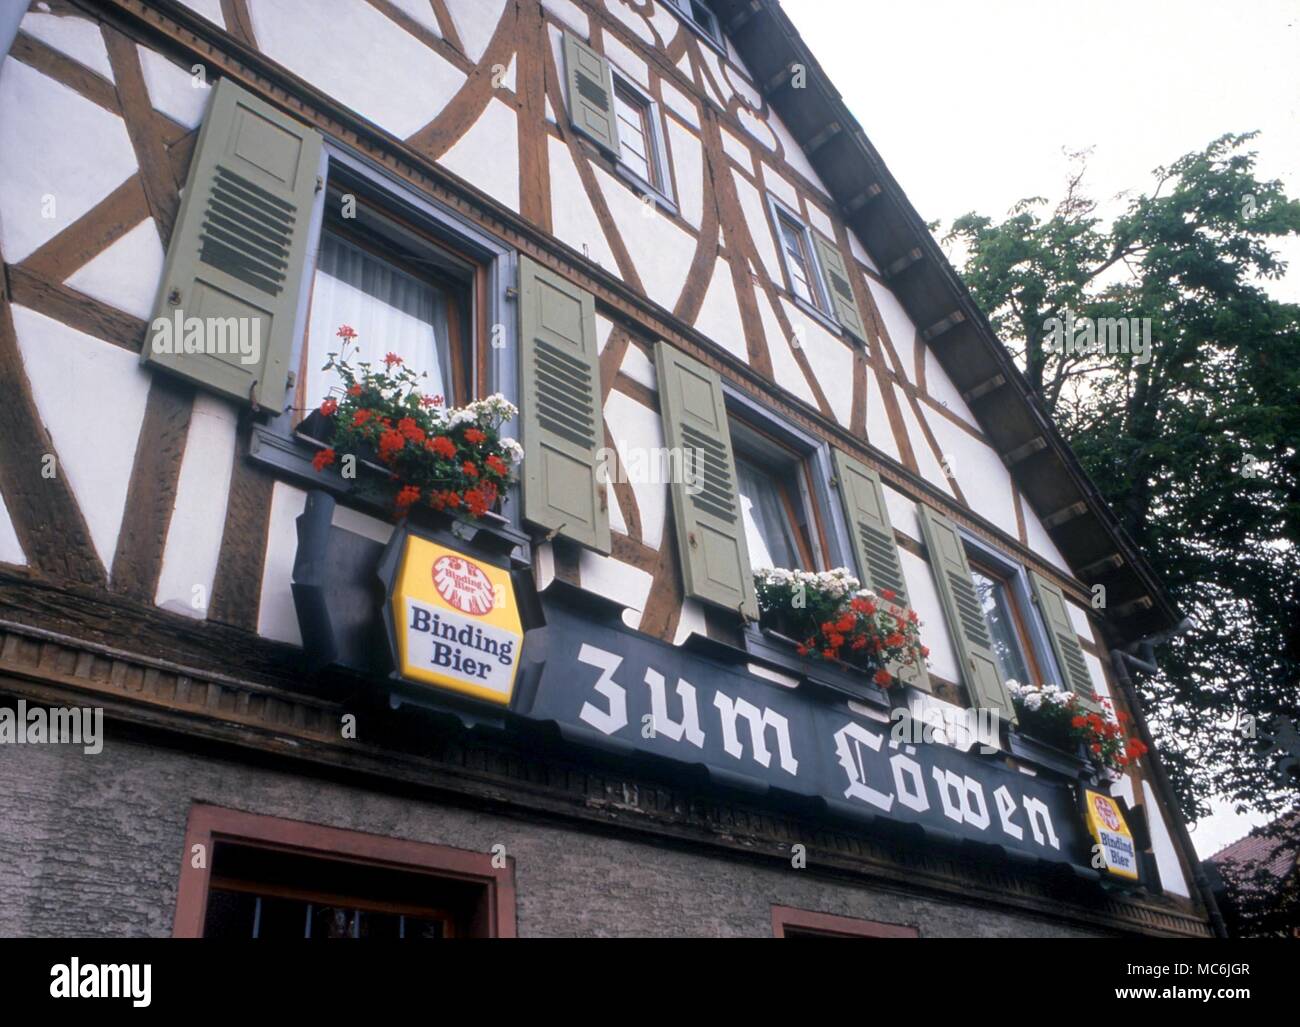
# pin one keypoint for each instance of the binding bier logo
(463, 584)
(455, 621)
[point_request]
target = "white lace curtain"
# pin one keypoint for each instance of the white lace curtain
(767, 525)
(391, 311)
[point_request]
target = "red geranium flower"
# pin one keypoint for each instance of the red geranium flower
(882, 677)
(391, 359)
(329, 406)
(323, 459)
(497, 465)
(410, 429)
(886, 593)
(354, 390)
(346, 332)
(390, 444)
(361, 417)
(442, 446)
(474, 436)
(410, 494)
(469, 469)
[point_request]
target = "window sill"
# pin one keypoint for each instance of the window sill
(290, 458)
(776, 650)
(1043, 756)
(819, 315)
(643, 189)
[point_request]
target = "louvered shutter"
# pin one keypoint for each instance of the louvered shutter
(560, 406)
(706, 512)
(1064, 639)
(837, 284)
(872, 537)
(590, 93)
(970, 631)
(238, 250)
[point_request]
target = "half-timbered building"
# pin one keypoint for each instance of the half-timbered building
(654, 228)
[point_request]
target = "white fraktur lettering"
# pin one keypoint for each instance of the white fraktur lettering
(689, 726)
(1006, 807)
(1040, 822)
(909, 782)
(613, 719)
(759, 723)
(956, 792)
(848, 741)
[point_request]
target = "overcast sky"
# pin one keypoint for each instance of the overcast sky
(970, 105)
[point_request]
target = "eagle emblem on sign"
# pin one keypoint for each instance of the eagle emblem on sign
(463, 585)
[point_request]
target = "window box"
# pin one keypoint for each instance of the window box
(772, 647)
(1044, 754)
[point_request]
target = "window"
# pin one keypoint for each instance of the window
(803, 273)
(1019, 640)
(642, 155)
(269, 878)
(776, 502)
(401, 292)
(701, 18)
(788, 922)
(1005, 627)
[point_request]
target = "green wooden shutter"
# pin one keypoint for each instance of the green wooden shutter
(1064, 639)
(970, 631)
(710, 527)
(591, 93)
(560, 406)
(873, 542)
(837, 284)
(238, 249)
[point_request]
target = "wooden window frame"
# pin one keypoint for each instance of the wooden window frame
(656, 141)
(208, 825)
(490, 368)
(1035, 646)
(711, 33)
(789, 917)
(821, 309)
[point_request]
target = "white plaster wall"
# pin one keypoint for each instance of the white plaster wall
(125, 275)
(625, 60)
(984, 479)
(719, 316)
(176, 92)
(902, 333)
(422, 12)
(637, 366)
(926, 461)
(475, 20)
(572, 16)
(755, 213)
(943, 391)
(572, 218)
(11, 550)
(276, 616)
(736, 150)
(42, 197)
(688, 169)
(487, 155)
(661, 251)
(78, 38)
(1162, 844)
(830, 358)
(1040, 542)
(779, 186)
(880, 432)
(400, 86)
(785, 370)
(757, 128)
(198, 519)
(633, 427)
(616, 580)
(924, 597)
(210, 9)
(902, 513)
(679, 103)
(91, 397)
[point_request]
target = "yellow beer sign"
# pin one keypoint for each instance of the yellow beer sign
(1110, 831)
(456, 621)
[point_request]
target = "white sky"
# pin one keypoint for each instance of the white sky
(970, 105)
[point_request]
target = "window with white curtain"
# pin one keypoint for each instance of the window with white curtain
(391, 309)
(775, 509)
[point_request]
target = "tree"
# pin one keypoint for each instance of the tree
(1194, 442)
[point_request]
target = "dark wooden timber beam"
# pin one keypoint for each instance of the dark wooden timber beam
(1035, 445)
(908, 260)
(984, 388)
(1066, 513)
(939, 327)
(1107, 563)
(861, 199)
